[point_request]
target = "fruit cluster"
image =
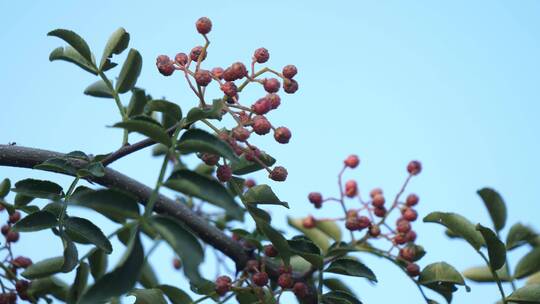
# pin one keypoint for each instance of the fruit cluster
(372, 215)
(251, 118)
(11, 265)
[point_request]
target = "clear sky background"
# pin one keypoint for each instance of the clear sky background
(454, 84)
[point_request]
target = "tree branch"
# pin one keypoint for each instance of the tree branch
(23, 157)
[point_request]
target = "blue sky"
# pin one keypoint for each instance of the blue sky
(453, 84)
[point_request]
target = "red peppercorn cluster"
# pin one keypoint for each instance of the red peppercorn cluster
(371, 216)
(250, 118)
(12, 264)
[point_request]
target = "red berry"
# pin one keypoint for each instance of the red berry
(289, 71)
(379, 211)
(223, 285)
(410, 214)
(275, 100)
(22, 285)
(261, 106)
(229, 88)
(352, 161)
(400, 239)
(290, 86)
(374, 231)
(224, 173)
(309, 222)
(240, 133)
(412, 200)
(203, 77)
(363, 222)
(407, 253)
(410, 236)
(378, 201)
(403, 227)
(209, 159)
(14, 217)
(181, 59)
(203, 25)
(177, 264)
(239, 70)
(413, 270)
(352, 213)
(252, 153)
(351, 188)
(252, 266)
(228, 75)
(12, 237)
(375, 191)
(164, 65)
(21, 262)
(300, 290)
(414, 167)
(5, 229)
(261, 55)
(282, 135)
(260, 278)
(316, 199)
(196, 52)
(270, 250)
(261, 125)
(285, 281)
(352, 223)
(217, 72)
(278, 174)
(249, 183)
(271, 85)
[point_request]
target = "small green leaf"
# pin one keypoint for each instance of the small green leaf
(518, 235)
(117, 43)
(148, 296)
(263, 194)
(528, 264)
(197, 140)
(350, 267)
(329, 228)
(317, 236)
(137, 102)
(459, 225)
(339, 297)
(69, 54)
(534, 278)
(112, 203)
(130, 72)
(214, 112)
(79, 284)
(38, 188)
(202, 187)
(71, 256)
(75, 41)
(244, 166)
(93, 169)
(146, 128)
(305, 248)
(166, 107)
(440, 272)
(122, 278)
(59, 165)
(496, 248)
(337, 285)
(98, 89)
(86, 230)
(528, 294)
(148, 278)
(483, 274)
(78, 155)
(22, 200)
(183, 242)
(36, 221)
(495, 205)
(175, 295)
(5, 185)
(44, 268)
(263, 221)
(98, 263)
(48, 286)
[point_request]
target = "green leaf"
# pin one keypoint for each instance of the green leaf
(79, 285)
(534, 279)
(86, 230)
(93, 169)
(440, 272)
(98, 89)
(339, 297)
(148, 278)
(114, 204)
(196, 113)
(168, 108)
(183, 242)
(148, 296)
(137, 102)
(38, 188)
(5, 185)
(337, 285)
(528, 294)
(263, 194)
(44, 268)
(197, 140)
(117, 43)
(244, 166)
(529, 264)
(146, 128)
(459, 225)
(329, 228)
(122, 278)
(59, 165)
(518, 235)
(202, 187)
(495, 205)
(496, 248)
(130, 72)
(175, 295)
(483, 274)
(75, 41)
(305, 248)
(36, 221)
(350, 267)
(71, 256)
(78, 155)
(98, 263)
(317, 236)
(69, 54)
(48, 286)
